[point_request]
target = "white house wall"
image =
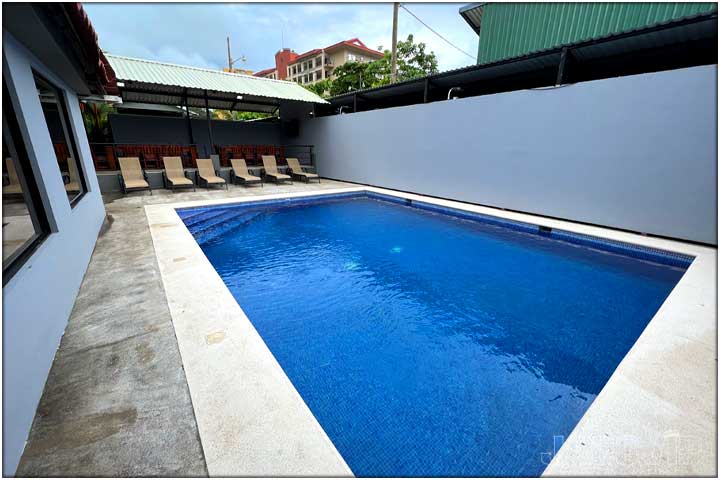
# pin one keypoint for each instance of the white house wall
(38, 299)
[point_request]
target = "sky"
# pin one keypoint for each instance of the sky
(194, 34)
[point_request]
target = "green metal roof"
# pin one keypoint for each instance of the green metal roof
(512, 29)
(150, 73)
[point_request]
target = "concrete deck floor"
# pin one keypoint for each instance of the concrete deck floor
(116, 401)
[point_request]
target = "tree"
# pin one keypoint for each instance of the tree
(352, 76)
(95, 118)
(412, 61)
(321, 87)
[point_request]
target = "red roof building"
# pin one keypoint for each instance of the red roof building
(318, 64)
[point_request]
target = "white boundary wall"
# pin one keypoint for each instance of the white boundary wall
(636, 153)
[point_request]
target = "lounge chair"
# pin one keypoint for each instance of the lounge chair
(72, 186)
(207, 173)
(14, 187)
(240, 170)
(174, 174)
(297, 171)
(271, 170)
(132, 177)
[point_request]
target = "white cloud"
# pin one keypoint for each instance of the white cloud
(195, 34)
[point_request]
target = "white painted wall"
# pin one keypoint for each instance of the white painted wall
(636, 153)
(38, 300)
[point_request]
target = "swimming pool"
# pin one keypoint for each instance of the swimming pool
(434, 344)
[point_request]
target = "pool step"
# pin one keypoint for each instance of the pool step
(219, 227)
(216, 219)
(196, 219)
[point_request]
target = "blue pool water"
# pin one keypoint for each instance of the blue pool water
(426, 344)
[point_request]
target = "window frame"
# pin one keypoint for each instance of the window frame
(37, 209)
(64, 111)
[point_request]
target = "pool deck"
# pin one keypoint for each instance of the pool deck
(116, 401)
(131, 364)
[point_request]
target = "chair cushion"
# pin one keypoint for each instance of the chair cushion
(213, 179)
(180, 181)
(277, 175)
(136, 184)
(249, 178)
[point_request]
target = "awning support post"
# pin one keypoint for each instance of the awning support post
(209, 124)
(426, 90)
(187, 116)
(561, 67)
(354, 102)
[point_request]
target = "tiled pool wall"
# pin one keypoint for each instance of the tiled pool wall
(656, 255)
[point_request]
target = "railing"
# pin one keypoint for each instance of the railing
(105, 155)
(253, 153)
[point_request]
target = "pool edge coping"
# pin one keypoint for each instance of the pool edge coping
(575, 448)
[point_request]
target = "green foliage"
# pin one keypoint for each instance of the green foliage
(321, 87)
(413, 61)
(239, 116)
(95, 118)
(352, 76)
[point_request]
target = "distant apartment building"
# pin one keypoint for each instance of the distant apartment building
(317, 64)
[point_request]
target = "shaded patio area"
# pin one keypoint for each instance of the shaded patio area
(116, 402)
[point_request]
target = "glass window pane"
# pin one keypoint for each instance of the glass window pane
(17, 226)
(24, 221)
(58, 120)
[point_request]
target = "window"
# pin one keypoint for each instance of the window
(351, 57)
(318, 61)
(24, 221)
(58, 123)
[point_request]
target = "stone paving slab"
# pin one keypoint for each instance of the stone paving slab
(116, 402)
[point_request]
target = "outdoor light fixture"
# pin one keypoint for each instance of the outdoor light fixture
(239, 97)
(454, 89)
(120, 84)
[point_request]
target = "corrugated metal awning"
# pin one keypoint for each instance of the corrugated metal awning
(149, 81)
(677, 44)
(472, 14)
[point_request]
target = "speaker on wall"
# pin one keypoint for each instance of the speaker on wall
(291, 128)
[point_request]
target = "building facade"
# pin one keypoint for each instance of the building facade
(508, 30)
(318, 64)
(52, 206)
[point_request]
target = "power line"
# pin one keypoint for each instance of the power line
(436, 33)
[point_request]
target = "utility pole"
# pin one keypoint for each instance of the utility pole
(230, 62)
(393, 61)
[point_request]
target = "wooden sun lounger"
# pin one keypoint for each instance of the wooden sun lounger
(240, 170)
(73, 185)
(132, 177)
(174, 174)
(14, 187)
(297, 171)
(207, 173)
(271, 170)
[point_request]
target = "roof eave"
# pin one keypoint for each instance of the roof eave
(465, 12)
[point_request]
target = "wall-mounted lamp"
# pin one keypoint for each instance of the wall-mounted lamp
(453, 89)
(239, 97)
(120, 84)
